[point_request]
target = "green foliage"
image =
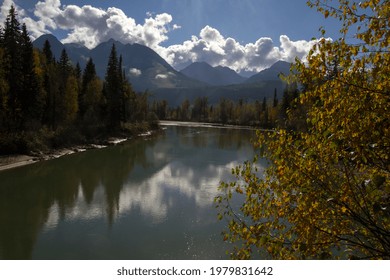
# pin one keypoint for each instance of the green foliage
(326, 191)
(48, 103)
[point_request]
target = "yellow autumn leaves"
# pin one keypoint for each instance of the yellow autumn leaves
(326, 192)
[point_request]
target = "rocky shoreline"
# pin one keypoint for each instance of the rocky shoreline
(14, 161)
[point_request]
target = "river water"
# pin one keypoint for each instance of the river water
(147, 198)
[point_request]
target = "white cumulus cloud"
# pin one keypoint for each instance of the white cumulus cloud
(135, 72)
(90, 26)
(211, 46)
(164, 76)
(161, 76)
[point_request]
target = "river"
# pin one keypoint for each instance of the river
(147, 198)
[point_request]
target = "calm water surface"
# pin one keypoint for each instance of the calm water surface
(145, 199)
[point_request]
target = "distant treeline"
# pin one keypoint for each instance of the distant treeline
(267, 113)
(47, 102)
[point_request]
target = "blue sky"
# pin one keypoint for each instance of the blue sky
(246, 35)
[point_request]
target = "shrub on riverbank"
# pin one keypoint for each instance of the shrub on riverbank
(25, 142)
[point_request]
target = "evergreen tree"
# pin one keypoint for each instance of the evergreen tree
(264, 105)
(3, 83)
(276, 101)
(3, 93)
(77, 71)
(113, 90)
(78, 76)
(47, 52)
(50, 85)
(65, 65)
(12, 67)
(29, 97)
(91, 99)
(264, 116)
(122, 88)
(68, 97)
(89, 75)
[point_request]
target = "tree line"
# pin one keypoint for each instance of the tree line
(264, 113)
(45, 102)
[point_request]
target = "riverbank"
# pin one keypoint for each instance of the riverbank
(14, 161)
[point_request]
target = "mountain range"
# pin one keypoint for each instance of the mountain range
(215, 76)
(146, 70)
(143, 66)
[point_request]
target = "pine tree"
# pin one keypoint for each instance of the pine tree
(3, 93)
(264, 113)
(30, 90)
(68, 97)
(65, 65)
(50, 85)
(276, 101)
(78, 76)
(91, 100)
(113, 90)
(89, 75)
(3, 84)
(122, 86)
(12, 67)
(47, 52)
(264, 105)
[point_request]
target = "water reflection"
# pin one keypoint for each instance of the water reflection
(145, 199)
